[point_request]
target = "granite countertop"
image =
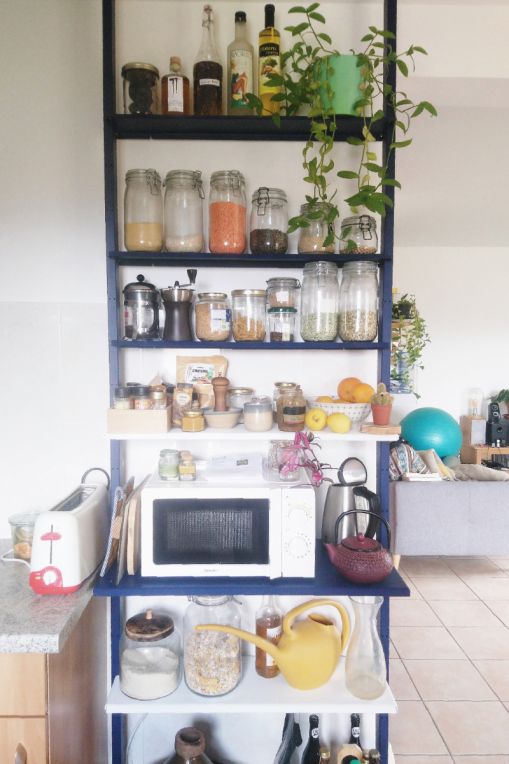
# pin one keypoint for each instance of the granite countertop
(35, 623)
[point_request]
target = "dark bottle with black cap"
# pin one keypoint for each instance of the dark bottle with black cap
(355, 729)
(311, 753)
(240, 69)
(189, 747)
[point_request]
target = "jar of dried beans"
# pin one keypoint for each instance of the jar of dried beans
(319, 311)
(227, 213)
(358, 302)
(248, 307)
(320, 229)
(212, 316)
(212, 659)
(183, 211)
(269, 222)
(358, 235)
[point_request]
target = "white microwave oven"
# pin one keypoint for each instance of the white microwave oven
(204, 529)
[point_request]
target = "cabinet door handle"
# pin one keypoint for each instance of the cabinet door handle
(20, 757)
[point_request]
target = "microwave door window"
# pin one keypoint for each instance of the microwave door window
(211, 531)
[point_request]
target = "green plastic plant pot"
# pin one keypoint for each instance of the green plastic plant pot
(345, 80)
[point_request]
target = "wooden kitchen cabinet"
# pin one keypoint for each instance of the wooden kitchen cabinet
(52, 705)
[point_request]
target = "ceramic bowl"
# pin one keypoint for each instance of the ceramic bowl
(357, 412)
(223, 419)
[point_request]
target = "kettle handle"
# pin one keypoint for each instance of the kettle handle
(365, 512)
(373, 506)
(292, 615)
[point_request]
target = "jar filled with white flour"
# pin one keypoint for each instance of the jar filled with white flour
(150, 664)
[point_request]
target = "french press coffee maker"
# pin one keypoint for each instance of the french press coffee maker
(177, 301)
(141, 310)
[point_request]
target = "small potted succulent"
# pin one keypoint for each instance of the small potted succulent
(381, 405)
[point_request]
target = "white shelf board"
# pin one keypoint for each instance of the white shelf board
(256, 695)
(240, 433)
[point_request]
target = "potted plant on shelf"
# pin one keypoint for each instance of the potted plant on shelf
(307, 81)
(409, 337)
(381, 405)
(502, 397)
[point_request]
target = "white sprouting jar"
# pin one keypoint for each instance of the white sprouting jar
(319, 302)
(183, 211)
(358, 302)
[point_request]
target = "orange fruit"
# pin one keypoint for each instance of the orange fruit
(325, 399)
(346, 388)
(362, 393)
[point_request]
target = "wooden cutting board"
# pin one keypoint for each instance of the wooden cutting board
(381, 429)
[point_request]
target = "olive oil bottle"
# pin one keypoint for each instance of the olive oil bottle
(269, 62)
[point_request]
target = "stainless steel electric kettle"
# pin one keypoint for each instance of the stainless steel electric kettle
(341, 498)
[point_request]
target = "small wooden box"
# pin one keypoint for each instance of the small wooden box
(138, 422)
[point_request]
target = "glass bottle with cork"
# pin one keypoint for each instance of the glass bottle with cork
(269, 63)
(269, 625)
(311, 753)
(208, 71)
(175, 93)
(240, 69)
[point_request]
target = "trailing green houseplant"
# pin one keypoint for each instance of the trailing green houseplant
(302, 85)
(409, 337)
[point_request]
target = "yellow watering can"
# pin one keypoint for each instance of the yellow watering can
(308, 652)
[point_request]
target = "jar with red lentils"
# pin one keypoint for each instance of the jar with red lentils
(227, 213)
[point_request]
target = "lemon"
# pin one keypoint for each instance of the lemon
(339, 423)
(316, 419)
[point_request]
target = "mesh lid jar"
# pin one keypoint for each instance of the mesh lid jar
(321, 228)
(358, 302)
(269, 222)
(358, 235)
(227, 213)
(183, 211)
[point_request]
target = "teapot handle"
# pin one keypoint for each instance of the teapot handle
(296, 611)
(366, 512)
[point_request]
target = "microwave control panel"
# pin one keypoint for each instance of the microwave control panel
(298, 532)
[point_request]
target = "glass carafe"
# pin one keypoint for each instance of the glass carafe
(365, 668)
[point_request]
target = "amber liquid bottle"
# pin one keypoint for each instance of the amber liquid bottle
(269, 622)
(175, 94)
(269, 62)
(207, 71)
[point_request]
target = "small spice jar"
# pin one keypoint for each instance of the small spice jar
(227, 213)
(122, 398)
(358, 235)
(258, 414)
(279, 389)
(143, 211)
(282, 324)
(158, 397)
(319, 304)
(183, 211)
(248, 307)
(291, 411)
(213, 317)
(193, 421)
(269, 222)
(237, 397)
(311, 238)
(141, 397)
(283, 292)
(141, 82)
(150, 656)
(168, 464)
(358, 302)
(187, 467)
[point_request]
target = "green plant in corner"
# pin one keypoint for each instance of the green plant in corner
(305, 83)
(501, 397)
(409, 338)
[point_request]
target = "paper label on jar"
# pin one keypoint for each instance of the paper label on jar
(294, 414)
(210, 81)
(220, 319)
(175, 94)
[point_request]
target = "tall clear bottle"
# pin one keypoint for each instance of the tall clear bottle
(175, 95)
(240, 69)
(269, 625)
(208, 71)
(311, 753)
(269, 62)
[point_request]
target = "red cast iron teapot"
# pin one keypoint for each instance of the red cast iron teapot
(361, 559)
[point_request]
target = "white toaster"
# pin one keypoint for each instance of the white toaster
(69, 540)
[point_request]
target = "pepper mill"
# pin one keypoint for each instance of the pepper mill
(220, 386)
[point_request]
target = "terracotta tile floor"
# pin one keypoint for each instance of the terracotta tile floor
(450, 662)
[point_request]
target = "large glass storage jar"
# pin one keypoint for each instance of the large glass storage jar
(227, 213)
(141, 83)
(269, 222)
(150, 656)
(183, 211)
(358, 235)
(212, 659)
(248, 307)
(311, 238)
(319, 308)
(213, 319)
(143, 211)
(358, 302)
(283, 292)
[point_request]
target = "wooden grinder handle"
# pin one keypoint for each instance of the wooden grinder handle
(220, 386)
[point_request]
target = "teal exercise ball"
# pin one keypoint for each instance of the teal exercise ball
(432, 428)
